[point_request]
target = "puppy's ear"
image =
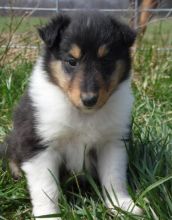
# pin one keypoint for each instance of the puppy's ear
(129, 35)
(124, 33)
(51, 33)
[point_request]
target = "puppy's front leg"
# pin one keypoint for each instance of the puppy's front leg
(41, 172)
(112, 165)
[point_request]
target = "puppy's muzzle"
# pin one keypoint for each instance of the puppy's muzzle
(89, 99)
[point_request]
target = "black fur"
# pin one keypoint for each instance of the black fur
(51, 33)
(22, 142)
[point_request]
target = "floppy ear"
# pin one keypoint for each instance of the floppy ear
(125, 34)
(129, 35)
(51, 32)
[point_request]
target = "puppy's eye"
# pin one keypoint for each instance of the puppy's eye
(72, 62)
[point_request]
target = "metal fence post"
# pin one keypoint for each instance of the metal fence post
(136, 14)
(57, 6)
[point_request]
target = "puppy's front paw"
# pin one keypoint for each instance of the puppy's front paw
(126, 204)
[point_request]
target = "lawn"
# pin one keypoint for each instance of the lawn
(159, 32)
(27, 24)
(150, 148)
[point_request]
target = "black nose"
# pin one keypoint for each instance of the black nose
(89, 99)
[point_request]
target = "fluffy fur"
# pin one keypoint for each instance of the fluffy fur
(78, 100)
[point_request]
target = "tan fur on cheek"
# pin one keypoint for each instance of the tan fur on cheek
(70, 86)
(74, 92)
(103, 97)
(105, 92)
(61, 79)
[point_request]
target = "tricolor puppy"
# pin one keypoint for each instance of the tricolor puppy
(78, 101)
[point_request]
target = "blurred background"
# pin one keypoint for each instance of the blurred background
(19, 19)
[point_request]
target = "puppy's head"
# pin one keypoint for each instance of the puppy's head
(87, 56)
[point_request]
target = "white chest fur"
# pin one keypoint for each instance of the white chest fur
(63, 126)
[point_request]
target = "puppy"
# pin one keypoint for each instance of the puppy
(78, 101)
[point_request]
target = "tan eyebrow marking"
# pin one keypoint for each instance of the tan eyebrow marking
(102, 51)
(75, 51)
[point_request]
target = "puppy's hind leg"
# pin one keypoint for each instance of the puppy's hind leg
(42, 173)
(15, 170)
(13, 165)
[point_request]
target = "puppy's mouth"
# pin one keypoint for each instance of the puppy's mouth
(88, 110)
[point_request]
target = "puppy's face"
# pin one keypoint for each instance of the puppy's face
(87, 56)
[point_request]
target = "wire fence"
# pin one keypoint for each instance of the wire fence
(133, 11)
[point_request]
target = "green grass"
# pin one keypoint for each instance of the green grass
(159, 32)
(150, 149)
(28, 24)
